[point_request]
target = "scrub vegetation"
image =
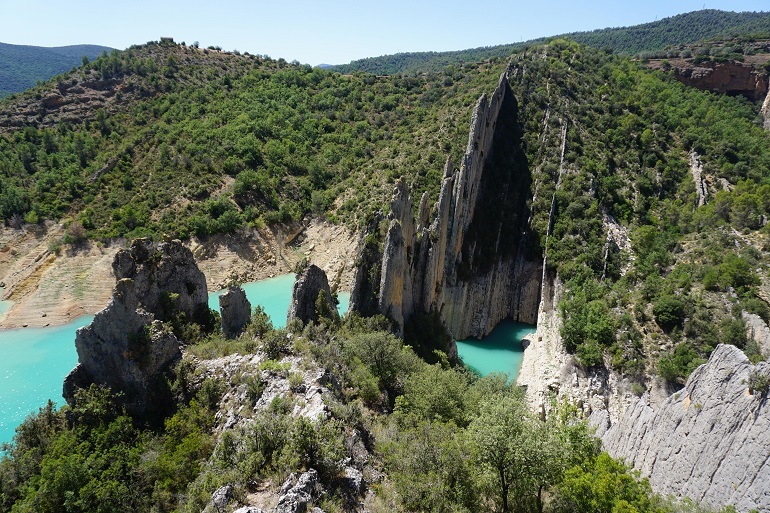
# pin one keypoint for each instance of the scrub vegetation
(192, 142)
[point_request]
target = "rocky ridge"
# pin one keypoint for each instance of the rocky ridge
(471, 264)
(708, 441)
(127, 347)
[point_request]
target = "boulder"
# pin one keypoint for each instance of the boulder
(235, 310)
(309, 285)
(297, 492)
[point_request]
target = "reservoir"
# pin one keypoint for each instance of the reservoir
(500, 351)
(37, 359)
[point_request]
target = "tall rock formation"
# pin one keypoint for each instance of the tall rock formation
(765, 110)
(127, 347)
(235, 309)
(477, 262)
(709, 441)
(304, 296)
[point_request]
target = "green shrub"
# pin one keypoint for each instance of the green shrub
(758, 383)
(669, 312)
(677, 366)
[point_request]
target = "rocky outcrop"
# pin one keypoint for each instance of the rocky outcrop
(298, 492)
(309, 285)
(696, 169)
(765, 111)
(476, 263)
(127, 347)
(235, 309)
(166, 278)
(758, 331)
(548, 370)
(731, 77)
(708, 441)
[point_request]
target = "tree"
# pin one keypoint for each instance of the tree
(603, 486)
(497, 434)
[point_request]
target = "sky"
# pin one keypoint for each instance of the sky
(328, 31)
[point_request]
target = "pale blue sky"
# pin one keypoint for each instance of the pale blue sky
(331, 32)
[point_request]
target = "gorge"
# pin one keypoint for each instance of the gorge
(472, 258)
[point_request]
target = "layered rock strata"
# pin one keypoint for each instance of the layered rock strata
(304, 296)
(127, 347)
(476, 263)
(235, 309)
(729, 77)
(709, 441)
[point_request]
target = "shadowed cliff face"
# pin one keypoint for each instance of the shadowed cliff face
(471, 259)
(499, 222)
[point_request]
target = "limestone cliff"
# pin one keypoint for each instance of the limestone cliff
(766, 111)
(127, 347)
(309, 285)
(477, 262)
(708, 441)
(730, 77)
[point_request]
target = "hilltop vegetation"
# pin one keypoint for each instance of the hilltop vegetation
(21, 66)
(648, 37)
(192, 142)
(257, 141)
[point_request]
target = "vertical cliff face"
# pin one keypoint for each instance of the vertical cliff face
(708, 441)
(474, 263)
(731, 77)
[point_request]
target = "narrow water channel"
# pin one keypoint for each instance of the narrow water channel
(500, 351)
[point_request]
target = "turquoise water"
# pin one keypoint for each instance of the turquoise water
(36, 360)
(344, 302)
(32, 370)
(501, 351)
(274, 294)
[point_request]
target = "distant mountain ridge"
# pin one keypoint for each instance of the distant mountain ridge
(685, 28)
(21, 66)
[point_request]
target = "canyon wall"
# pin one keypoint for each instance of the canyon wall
(708, 441)
(477, 262)
(729, 77)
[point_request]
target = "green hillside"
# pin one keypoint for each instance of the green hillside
(21, 66)
(649, 37)
(189, 142)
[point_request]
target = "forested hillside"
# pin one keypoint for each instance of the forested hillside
(21, 66)
(649, 37)
(257, 141)
(649, 200)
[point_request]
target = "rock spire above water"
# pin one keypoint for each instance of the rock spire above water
(127, 347)
(477, 262)
(311, 284)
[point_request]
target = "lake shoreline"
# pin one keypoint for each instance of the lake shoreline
(50, 288)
